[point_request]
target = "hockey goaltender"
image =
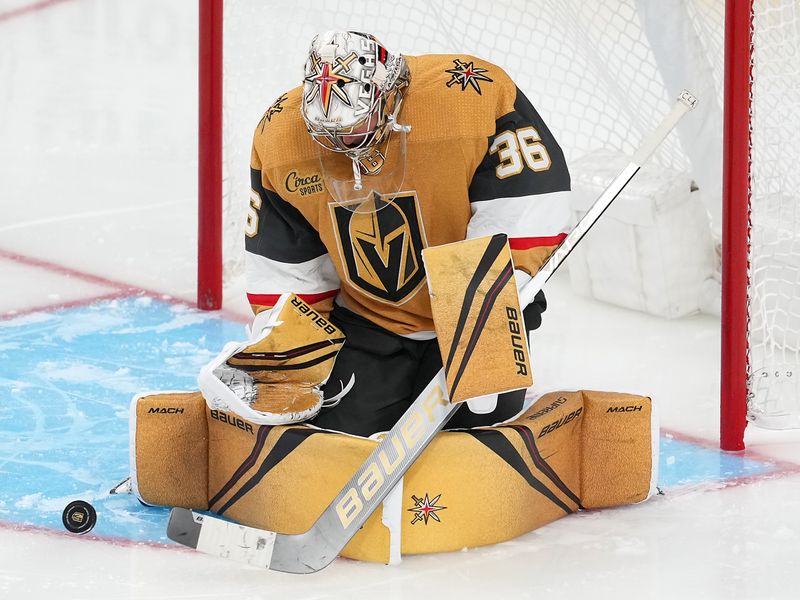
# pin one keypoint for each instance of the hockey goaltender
(398, 203)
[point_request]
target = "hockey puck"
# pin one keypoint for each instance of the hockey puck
(79, 517)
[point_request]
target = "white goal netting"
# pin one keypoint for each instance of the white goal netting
(774, 291)
(602, 74)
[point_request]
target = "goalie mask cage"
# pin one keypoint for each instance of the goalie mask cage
(602, 73)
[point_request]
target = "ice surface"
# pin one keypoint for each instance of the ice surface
(97, 155)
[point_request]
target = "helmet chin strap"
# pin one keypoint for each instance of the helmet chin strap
(393, 126)
(356, 175)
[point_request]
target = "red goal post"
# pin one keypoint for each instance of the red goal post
(760, 360)
(736, 218)
(209, 156)
(601, 73)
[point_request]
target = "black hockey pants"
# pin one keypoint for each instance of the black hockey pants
(390, 372)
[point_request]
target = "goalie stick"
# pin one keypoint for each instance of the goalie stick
(316, 548)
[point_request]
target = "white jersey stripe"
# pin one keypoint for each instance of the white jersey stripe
(266, 276)
(540, 215)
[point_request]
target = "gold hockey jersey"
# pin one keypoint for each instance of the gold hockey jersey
(479, 161)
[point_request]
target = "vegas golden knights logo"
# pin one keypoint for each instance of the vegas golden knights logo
(382, 249)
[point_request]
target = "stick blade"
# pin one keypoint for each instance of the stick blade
(218, 537)
(183, 528)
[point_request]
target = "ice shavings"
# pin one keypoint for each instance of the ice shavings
(629, 546)
(40, 502)
(187, 356)
(24, 320)
(65, 392)
(181, 320)
(119, 380)
(89, 323)
(29, 501)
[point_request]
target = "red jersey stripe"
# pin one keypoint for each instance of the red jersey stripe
(271, 299)
(526, 243)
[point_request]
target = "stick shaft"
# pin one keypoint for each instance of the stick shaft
(368, 487)
(683, 105)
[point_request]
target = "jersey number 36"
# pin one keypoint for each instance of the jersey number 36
(516, 147)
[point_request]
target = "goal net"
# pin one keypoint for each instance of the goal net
(774, 245)
(602, 74)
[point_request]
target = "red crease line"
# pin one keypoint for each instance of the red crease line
(116, 541)
(781, 468)
(30, 8)
(66, 271)
(123, 289)
(13, 314)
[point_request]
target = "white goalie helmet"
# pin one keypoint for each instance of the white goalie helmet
(352, 94)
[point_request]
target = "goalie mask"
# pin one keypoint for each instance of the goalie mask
(352, 94)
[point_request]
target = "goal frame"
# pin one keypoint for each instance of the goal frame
(736, 194)
(209, 156)
(736, 197)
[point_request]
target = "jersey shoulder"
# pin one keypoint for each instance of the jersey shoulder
(281, 136)
(457, 95)
(450, 96)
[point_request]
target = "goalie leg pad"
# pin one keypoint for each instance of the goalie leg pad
(169, 449)
(620, 444)
(568, 451)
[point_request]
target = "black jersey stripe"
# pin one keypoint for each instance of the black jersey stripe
(485, 184)
(283, 234)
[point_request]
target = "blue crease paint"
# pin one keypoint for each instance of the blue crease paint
(66, 382)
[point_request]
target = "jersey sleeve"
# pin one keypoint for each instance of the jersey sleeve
(283, 252)
(521, 186)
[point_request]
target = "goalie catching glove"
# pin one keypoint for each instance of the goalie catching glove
(274, 378)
